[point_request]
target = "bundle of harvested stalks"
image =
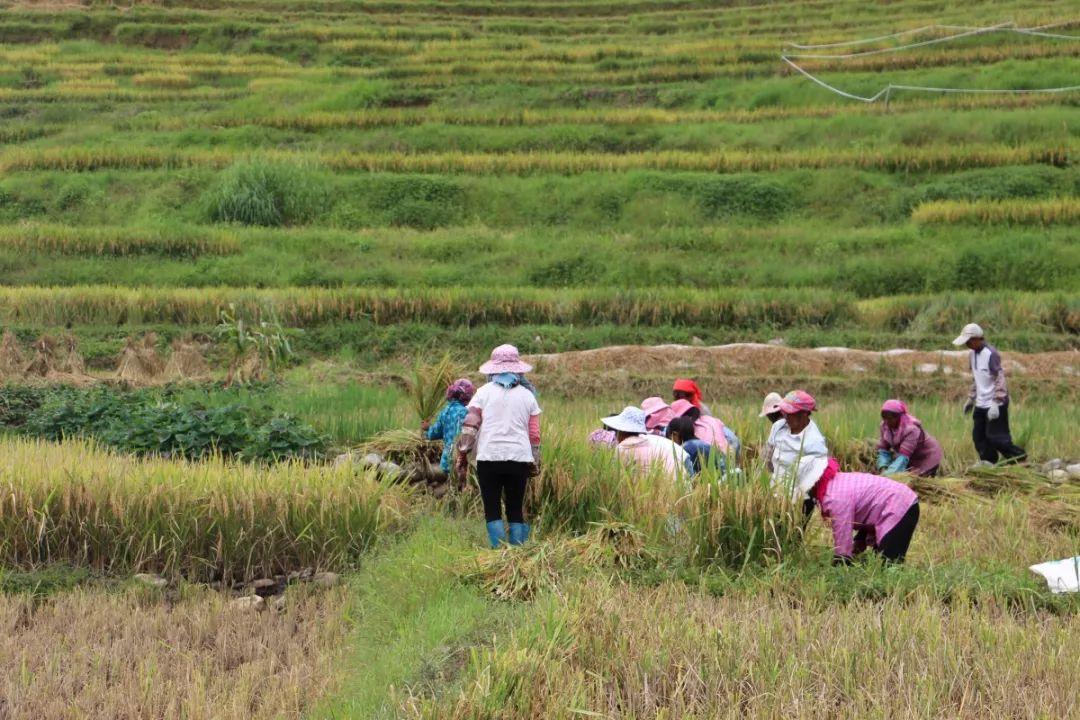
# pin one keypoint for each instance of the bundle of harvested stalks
(12, 361)
(139, 364)
(940, 490)
(516, 573)
(609, 544)
(1057, 515)
(1004, 478)
(186, 362)
(402, 446)
(427, 386)
(44, 361)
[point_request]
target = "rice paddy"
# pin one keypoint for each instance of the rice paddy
(395, 187)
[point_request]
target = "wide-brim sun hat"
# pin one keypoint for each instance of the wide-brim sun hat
(505, 358)
(651, 405)
(971, 330)
(798, 401)
(681, 406)
(630, 420)
(771, 404)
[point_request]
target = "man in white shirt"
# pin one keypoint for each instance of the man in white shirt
(988, 400)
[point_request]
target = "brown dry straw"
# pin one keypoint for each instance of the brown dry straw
(12, 360)
(139, 364)
(186, 362)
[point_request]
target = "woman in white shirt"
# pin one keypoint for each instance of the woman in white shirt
(796, 446)
(503, 425)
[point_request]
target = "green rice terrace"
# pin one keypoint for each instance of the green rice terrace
(247, 245)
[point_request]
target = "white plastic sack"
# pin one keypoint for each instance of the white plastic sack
(1061, 575)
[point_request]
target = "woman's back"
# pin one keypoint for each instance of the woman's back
(504, 430)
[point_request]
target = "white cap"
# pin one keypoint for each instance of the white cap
(771, 404)
(971, 330)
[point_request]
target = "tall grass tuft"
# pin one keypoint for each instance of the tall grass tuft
(204, 521)
(262, 193)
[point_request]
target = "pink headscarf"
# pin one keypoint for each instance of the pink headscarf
(798, 401)
(906, 421)
(657, 413)
(708, 428)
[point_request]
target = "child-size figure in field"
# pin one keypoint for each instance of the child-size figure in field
(708, 428)
(503, 425)
(904, 445)
(644, 450)
(683, 432)
(988, 400)
(447, 424)
(865, 511)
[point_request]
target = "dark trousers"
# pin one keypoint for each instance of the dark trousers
(497, 479)
(894, 546)
(992, 437)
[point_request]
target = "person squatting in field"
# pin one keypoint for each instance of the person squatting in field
(503, 426)
(865, 511)
(448, 422)
(904, 446)
(988, 400)
(646, 451)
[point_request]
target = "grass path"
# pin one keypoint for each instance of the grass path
(415, 621)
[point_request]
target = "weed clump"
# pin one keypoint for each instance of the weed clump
(267, 194)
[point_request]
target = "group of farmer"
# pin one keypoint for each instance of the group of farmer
(499, 425)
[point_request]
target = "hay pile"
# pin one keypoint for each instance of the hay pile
(186, 362)
(139, 364)
(12, 360)
(57, 360)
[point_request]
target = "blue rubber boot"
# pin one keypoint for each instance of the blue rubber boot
(496, 533)
(519, 533)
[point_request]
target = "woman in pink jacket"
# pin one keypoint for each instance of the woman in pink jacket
(904, 445)
(866, 511)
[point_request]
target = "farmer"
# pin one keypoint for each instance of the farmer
(503, 425)
(989, 398)
(448, 422)
(686, 389)
(657, 415)
(795, 443)
(904, 445)
(707, 428)
(683, 432)
(770, 409)
(644, 450)
(865, 511)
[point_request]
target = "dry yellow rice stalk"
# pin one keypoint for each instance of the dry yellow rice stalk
(12, 360)
(940, 490)
(186, 362)
(139, 364)
(427, 386)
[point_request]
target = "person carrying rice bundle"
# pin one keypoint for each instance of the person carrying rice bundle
(503, 426)
(865, 511)
(904, 445)
(448, 422)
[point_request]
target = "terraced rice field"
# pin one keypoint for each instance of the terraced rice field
(394, 179)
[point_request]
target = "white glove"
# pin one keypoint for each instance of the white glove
(994, 412)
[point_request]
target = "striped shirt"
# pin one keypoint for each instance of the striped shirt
(861, 502)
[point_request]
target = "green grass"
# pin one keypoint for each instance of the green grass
(415, 622)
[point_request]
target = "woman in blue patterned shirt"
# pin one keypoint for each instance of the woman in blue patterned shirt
(448, 423)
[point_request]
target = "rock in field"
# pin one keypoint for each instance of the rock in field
(1058, 476)
(267, 587)
(249, 603)
(1074, 471)
(150, 580)
(326, 579)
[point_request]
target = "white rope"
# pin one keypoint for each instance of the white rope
(901, 48)
(887, 90)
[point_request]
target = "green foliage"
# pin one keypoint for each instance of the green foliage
(268, 194)
(151, 422)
